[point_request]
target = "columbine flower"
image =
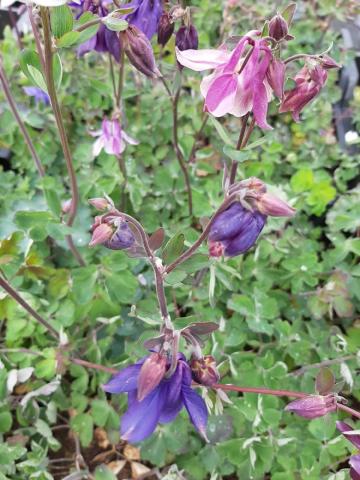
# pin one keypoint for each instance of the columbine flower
(165, 29)
(235, 87)
(236, 229)
(111, 138)
(313, 406)
(354, 438)
(39, 95)
(113, 233)
(104, 40)
(146, 15)
(204, 370)
(309, 82)
(161, 405)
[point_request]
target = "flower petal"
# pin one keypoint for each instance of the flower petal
(200, 60)
(196, 409)
(124, 381)
(98, 146)
(141, 418)
(344, 428)
(221, 95)
(354, 463)
(130, 140)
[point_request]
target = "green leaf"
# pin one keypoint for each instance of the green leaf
(302, 180)
(100, 411)
(256, 143)
(104, 473)
(68, 39)
(29, 219)
(88, 32)
(61, 20)
(121, 286)
(57, 70)
(5, 422)
(221, 131)
(173, 248)
(237, 155)
(288, 13)
(29, 58)
(37, 77)
(115, 23)
(84, 280)
(83, 425)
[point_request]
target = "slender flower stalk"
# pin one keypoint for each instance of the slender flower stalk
(23, 303)
(13, 107)
(49, 76)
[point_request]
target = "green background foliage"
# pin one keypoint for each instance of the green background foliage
(290, 302)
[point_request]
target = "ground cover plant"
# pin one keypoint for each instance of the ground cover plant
(179, 243)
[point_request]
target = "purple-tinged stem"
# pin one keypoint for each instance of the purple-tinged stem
(35, 30)
(14, 294)
(15, 27)
(95, 366)
(235, 163)
(49, 76)
(12, 104)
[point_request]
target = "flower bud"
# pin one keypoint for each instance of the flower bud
(268, 204)
(313, 406)
(165, 29)
(139, 51)
(204, 370)
(151, 374)
(66, 206)
(99, 203)
(327, 62)
(278, 27)
(275, 75)
(101, 234)
(187, 38)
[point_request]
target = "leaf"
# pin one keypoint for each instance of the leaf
(157, 239)
(104, 473)
(37, 77)
(221, 131)
(84, 280)
(57, 70)
(88, 32)
(237, 155)
(288, 13)
(325, 381)
(173, 248)
(68, 39)
(61, 20)
(5, 422)
(255, 144)
(121, 286)
(29, 58)
(83, 425)
(115, 23)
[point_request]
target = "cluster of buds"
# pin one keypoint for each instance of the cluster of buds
(186, 36)
(236, 229)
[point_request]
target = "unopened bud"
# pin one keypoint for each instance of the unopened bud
(99, 203)
(313, 406)
(268, 204)
(278, 27)
(151, 374)
(139, 51)
(101, 234)
(327, 62)
(187, 38)
(204, 370)
(66, 206)
(275, 75)
(165, 29)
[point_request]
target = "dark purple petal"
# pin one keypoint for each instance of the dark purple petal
(247, 236)
(124, 381)
(141, 418)
(112, 44)
(173, 400)
(122, 238)
(354, 463)
(228, 223)
(196, 409)
(344, 428)
(146, 16)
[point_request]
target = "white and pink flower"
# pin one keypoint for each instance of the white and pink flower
(111, 138)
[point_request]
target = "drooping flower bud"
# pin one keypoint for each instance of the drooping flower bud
(327, 62)
(165, 29)
(235, 230)
(113, 233)
(66, 205)
(101, 234)
(99, 203)
(313, 406)
(204, 370)
(187, 38)
(139, 51)
(275, 207)
(278, 27)
(151, 374)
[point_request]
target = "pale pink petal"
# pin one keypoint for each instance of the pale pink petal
(128, 139)
(243, 100)
(95, 133)
(221, 95)
(122, 146)
(206, 83)
(260, 106)
(205, 59)
(98, 146)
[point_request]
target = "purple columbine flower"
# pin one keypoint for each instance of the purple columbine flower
(234, 87)
(354, 437)
(104, 40)
(39, 95)
(309, 82)
(111, 138)
(145, 16)
(161, 405)
(235, 231)
(112, 232)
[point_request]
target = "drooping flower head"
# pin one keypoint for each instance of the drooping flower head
(111, 138)
(145, 15)
(313, 406)
(353, 437)
(39, 95)
(113, 233)
(236, 229)
(160, 404)
(309, 82)
(104, 40)
(239, 82)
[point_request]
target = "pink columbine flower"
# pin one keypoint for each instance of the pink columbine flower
(236, 87)
(309, 82)
(111, 138)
